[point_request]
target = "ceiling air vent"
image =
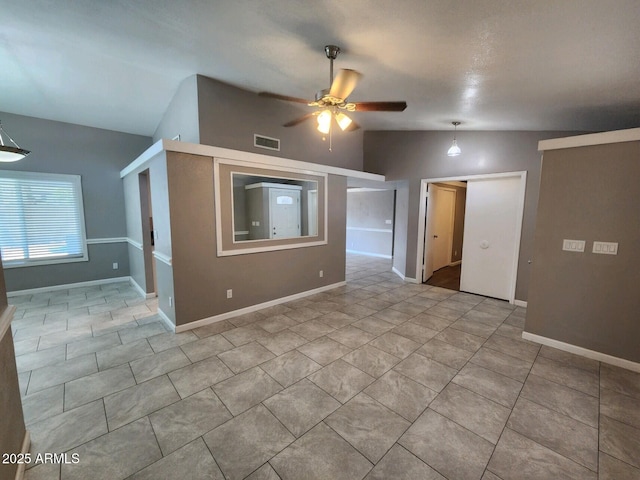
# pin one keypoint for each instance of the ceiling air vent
(266, 142)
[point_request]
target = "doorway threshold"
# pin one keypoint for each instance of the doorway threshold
(446, 277)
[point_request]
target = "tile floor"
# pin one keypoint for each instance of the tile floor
(379, 379)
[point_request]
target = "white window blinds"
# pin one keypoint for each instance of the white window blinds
(41, 218)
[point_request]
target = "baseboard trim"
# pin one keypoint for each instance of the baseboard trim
(404, 278)
(455, 264)
(234, 313)
(165, 318)
(520, 303)
(140, 290)
(369, 254)
(397, 272)
(26, 445)
(52, 288)
(584, 352)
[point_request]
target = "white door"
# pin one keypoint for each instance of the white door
(284, 213)
(440, 210)
(444, 206)
(429, 228)
(493, 221)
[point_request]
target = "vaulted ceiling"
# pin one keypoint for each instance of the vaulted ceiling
(491, 64)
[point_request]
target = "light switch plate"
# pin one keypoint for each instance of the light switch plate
(605, 248)
(573, 245)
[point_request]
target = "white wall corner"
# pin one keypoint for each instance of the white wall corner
(140, 290)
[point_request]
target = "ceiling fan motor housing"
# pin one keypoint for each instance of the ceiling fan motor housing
(332, 51)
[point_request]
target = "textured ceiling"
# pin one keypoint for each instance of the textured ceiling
(491, 64)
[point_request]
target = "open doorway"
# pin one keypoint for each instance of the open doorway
(494, 209)
(148, 240)
(445, 229)
(370, 221)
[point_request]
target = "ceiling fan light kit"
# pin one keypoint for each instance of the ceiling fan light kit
(324, 121)
(344, 121)
(9, 153)
(333, 102)
(454, 150)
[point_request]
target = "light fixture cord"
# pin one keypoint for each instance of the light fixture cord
(10, 139)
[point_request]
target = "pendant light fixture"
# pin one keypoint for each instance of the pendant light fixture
(454, 151)
(10, 153)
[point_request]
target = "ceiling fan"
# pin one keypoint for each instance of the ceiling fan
(331, 103)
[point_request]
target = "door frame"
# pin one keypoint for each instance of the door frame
(421, 240)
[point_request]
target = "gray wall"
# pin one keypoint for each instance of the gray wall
(98, 156)
(586, 299)
(370, 210)
(201, 278)
(230, 116)
(181, 116)
(12, 429)
(412, 156)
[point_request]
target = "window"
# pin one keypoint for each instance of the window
(41, 219)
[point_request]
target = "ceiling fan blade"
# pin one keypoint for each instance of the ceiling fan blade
(344, 83)
(299, 120)
(380, 106)
(286, 98)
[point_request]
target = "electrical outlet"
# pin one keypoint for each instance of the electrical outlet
(171, 301)
(229, 293)
(321, 274)
(115, 265)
